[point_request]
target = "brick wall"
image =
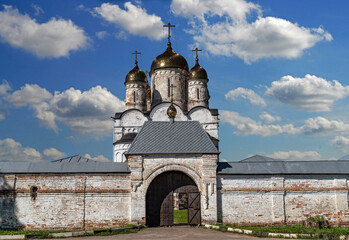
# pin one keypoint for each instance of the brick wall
(289, 199)
(64, 201)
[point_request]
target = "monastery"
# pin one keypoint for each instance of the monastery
(166, 148)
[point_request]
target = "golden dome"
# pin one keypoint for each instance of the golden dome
(136, 75)
(197, 72)
(171, 111)
(169, 59)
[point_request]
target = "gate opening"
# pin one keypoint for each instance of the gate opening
(172, 198)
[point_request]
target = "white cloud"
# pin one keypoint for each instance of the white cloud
(266, 37)
(2, 116)
(310, 93)
(296, 155)
(29, 94)
(4, 87)
(53, 39)
(38, 10)
(101, 34)
(83, 112)
(99, 158)
(122, 35)
(53, 154)
(247, 94)
(12, 151)
(266, 117)
(247, 126)
(133, 19)
(341, 143)
(313, 126)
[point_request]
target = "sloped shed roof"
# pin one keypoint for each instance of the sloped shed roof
(180, 137)
(74, 164)
(284, 167)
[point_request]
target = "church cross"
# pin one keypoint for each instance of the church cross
(136, 53)
(196, 50)
(168, 25)
(171, 87)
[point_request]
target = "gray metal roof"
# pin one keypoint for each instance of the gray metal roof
(180, 137)
(75, 164)
(259, 158)
(284, 167)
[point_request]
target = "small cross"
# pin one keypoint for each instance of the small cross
(196, 50)
(136, 53)
(171, 86)
(168, 25)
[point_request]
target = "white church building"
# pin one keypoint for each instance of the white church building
(166, 144)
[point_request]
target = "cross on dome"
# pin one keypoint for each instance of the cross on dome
(136, 53)
(196, 50)
(168, 25)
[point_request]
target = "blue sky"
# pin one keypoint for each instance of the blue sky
(277, 72)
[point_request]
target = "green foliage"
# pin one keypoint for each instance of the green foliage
(316, 219)
(180, 216)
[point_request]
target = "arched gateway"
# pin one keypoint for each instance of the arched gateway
(160, 199)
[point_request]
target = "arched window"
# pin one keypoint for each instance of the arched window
(197, 94)
(134, 96)
(168, 87)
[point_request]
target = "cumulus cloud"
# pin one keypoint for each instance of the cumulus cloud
(310, 93)
(266, 37)
(84, 112)
(53, 39)
(266, 117)
(99, 158)
(296, 155)
(29, 94)
(247, 126)
(341, 143)
(12, 151)
(133, 19)
(53, 154)
(313, 126)
(247, 94)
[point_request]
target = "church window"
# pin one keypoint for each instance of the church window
(168, 87)
(134, 96)
(197, 93)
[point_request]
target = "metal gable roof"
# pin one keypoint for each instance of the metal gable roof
(180, 137)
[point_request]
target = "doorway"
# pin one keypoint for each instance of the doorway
(172, 196)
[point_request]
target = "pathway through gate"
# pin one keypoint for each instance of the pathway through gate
(159, 199)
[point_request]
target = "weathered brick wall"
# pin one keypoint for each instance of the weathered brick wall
(288, 199)
(64, 201)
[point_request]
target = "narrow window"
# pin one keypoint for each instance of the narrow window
(134, 96)
(168, 88)
(197, 93)
(33, 192)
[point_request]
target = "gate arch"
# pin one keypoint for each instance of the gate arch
(159, 198)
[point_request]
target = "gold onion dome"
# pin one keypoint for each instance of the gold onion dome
(169, 59)
(171, 111)
(136, 75)
(197, 72)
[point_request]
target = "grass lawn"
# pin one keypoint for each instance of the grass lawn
(297, 229)
(180, 216)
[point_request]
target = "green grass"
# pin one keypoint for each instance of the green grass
(332, 232)
(43, 232)
(180, 216)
